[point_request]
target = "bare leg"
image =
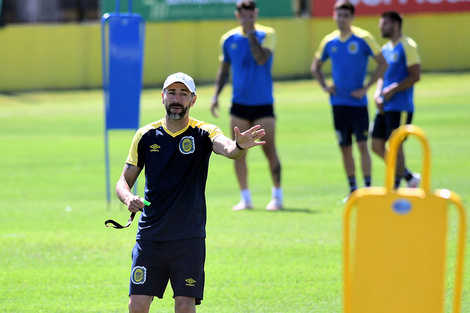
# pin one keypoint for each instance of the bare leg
(139, 303)
(365, 158)
(185, 305)
(378, 146)
(400, 162)
(269, 149)
(241, 168)
(348, 160)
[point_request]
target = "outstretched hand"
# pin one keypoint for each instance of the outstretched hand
(249, 138)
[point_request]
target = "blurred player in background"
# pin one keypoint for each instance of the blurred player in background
(394, 93)
(349, 49)
(248, 50)
(175, 152)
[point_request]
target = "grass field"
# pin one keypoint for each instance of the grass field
(57, 256)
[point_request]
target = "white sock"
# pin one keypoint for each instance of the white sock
(246, 195)
(276, 193)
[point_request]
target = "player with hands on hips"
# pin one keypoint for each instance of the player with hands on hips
(349, 48)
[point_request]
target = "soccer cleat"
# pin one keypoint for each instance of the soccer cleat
(414, 181)
(242, 205)
(274, 205)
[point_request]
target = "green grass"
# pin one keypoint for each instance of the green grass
(57, 256)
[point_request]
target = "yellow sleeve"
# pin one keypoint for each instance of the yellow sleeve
(133, 156)
(221, 48)
(222, 41)
(323, 43)
(369, 39)
(270, 40)
(321, 47)
(213, 130)
(411, 51)
(374, 46)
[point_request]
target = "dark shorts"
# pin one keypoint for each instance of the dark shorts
(251, 113)
(385, 124)
(350, 120)
(181, 262)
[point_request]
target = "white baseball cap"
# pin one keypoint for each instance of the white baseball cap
(180, 78)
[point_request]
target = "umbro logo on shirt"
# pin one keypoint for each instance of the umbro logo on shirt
(155, 148)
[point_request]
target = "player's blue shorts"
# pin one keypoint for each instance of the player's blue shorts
(181, 262)
(350, 120)
(252, 112)
(385, 124)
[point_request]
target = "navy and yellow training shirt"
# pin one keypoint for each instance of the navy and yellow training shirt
(176, 166)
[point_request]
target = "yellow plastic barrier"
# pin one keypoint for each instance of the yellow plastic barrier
(395, 243)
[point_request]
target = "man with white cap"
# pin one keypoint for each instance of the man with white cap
(175, 152)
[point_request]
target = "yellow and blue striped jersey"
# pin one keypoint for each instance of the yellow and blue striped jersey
(349, 58)
(400, 56)
(252, 83)
(176, 166)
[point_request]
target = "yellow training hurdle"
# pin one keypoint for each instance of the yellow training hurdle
(395, 243)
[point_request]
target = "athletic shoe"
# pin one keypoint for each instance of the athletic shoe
(242, 205)
(414, 181)
(274, 205)
(345, 199)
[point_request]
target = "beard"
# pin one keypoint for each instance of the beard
(176, 116)
(386, 33)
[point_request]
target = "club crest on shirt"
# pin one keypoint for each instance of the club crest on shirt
(139, 275)
(187, 145)
(353, 47)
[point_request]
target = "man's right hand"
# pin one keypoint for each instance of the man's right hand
(134, 203)
(330, 89)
